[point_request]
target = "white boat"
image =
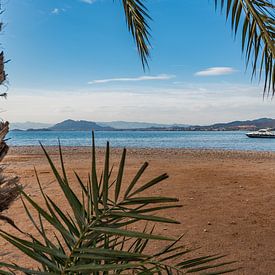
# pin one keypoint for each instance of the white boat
(262, 133)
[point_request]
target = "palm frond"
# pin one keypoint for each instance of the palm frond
(97, 236)
(137, 17)
(256, 20)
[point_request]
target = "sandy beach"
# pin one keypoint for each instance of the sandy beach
(228, 197)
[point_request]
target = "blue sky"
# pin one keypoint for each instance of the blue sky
(76, 59)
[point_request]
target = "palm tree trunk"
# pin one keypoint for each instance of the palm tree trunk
(9, 188)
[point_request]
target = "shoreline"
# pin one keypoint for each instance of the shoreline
(36, 149)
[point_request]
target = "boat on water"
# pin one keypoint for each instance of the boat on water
(262, 133)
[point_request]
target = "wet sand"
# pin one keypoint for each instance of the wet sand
(228, 197)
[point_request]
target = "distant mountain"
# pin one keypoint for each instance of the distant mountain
(137, 125)
(78, 125)
(83, 125)
(237, 125)
(28, 124)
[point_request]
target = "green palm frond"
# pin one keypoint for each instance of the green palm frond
(256, 19)
(137, 17)
(97, 235)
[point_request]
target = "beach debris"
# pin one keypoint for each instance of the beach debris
(44, 172)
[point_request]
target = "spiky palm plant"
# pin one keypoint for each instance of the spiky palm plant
(95, 237)
(254, 18)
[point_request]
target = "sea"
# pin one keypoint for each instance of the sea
(226, 140)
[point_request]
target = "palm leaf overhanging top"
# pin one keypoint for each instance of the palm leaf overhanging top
(137, 17)
(97, 235)
(255, 18)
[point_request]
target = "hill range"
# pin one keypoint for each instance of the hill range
(83, 125)
(240, 125)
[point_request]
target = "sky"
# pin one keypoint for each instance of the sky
(76, 59)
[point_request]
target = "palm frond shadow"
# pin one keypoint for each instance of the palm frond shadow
(94, 237)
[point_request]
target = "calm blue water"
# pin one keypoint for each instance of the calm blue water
(234, 140)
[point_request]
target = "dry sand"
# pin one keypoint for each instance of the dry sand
(228, 197)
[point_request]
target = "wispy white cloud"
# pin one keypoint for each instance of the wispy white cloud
(139, 78)
(193, 103)
(88, 1)
(55, 11)
(214, 71)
